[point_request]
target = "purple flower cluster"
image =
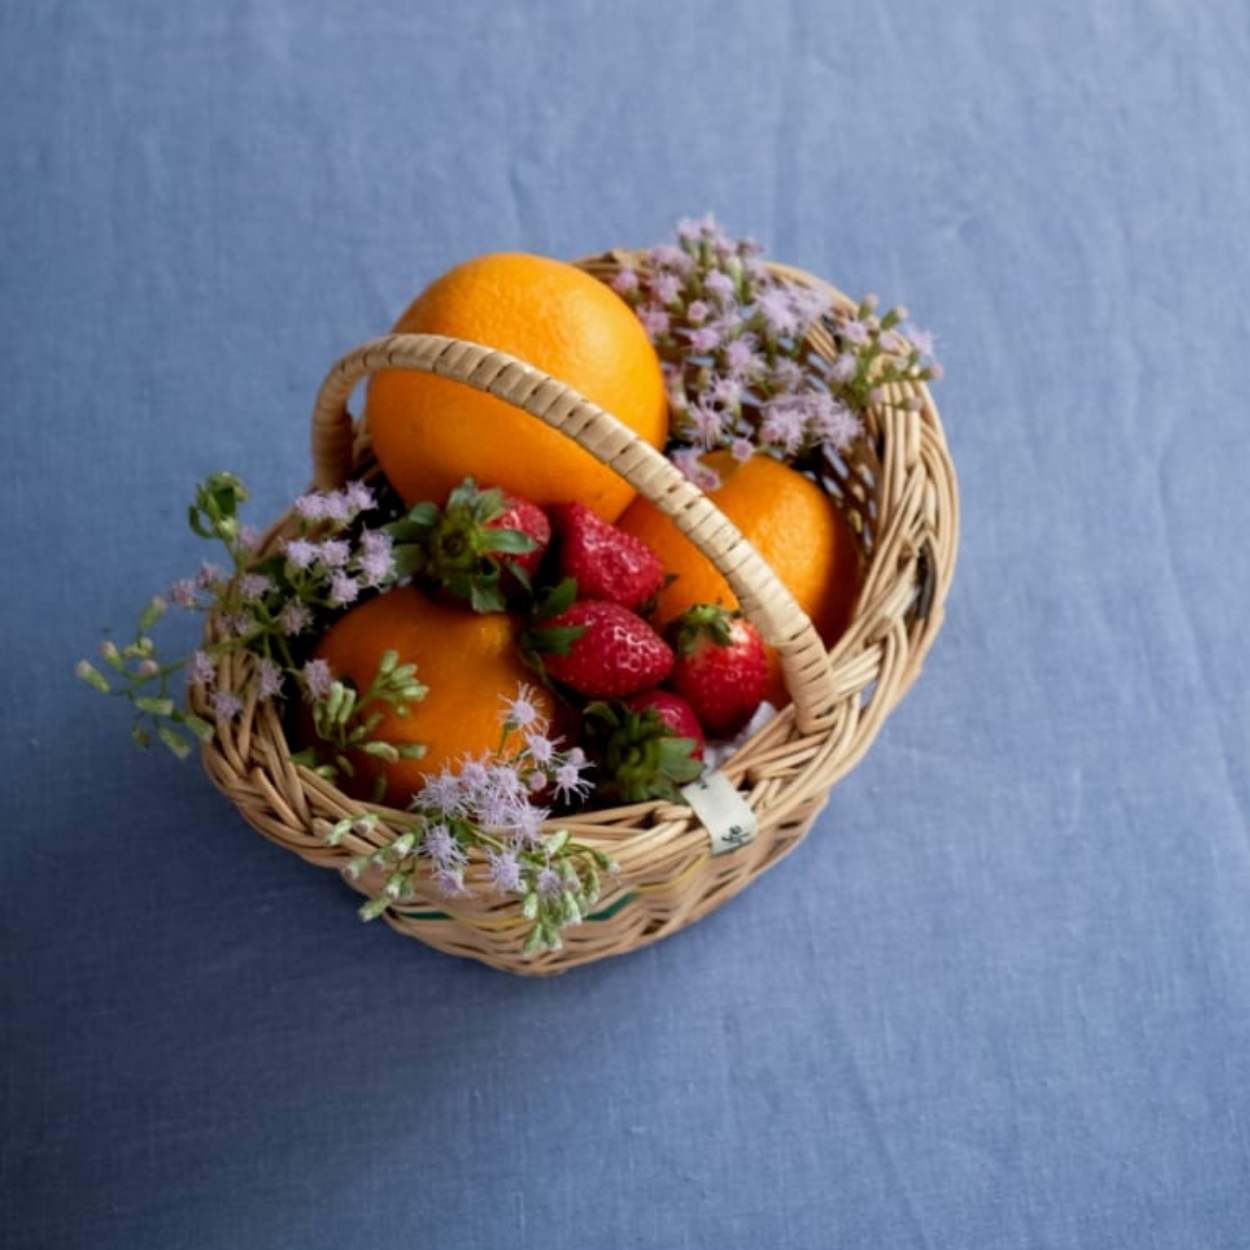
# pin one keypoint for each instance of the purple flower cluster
(732, 339)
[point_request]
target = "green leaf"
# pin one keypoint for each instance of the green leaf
(409, 560)
(382, 751)
(533, 943)
(378, 790)
(553, 639)
(197, 725)
(155, 707)
(423, 515)
(174, 741)
(486, 598)
(529, 908)
(507, 542)
(142, 739)
(411, 750)
(388, 662)
(558, 599)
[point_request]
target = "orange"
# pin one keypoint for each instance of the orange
(792, 523)
(430, 432)
(468, 661)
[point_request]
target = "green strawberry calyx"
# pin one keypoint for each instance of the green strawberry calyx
(637, 754)
(457, 547)
(704, 621)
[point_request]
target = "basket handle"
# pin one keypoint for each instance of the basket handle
(764, 601)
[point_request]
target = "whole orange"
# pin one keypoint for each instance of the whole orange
(791, 522)
(430, 432)
(468, 660)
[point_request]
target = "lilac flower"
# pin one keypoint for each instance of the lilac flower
(226, 704)
(300, 553)
(343, 589)
(254, 587)
(724, 391)
(505, 781)
(687, 460)
(741, 359)
(742, 449)
(333, 553)
(550, 883)
(201, 671)
(317, 678)
(239, 624)
(845, 367)
(521, 712)
(708, 423)
(441, 846)
(569, 782)
(784, 425)
(655, 321)
(670, 256)
(696, 312)
(541, 749)
(625, 282)
(249, 538)
(720, 285)
(474, 777)
(667, 288)
(147, 668)
(705, 339)
(839, 427)
(337, 506)
(360, 497)
(922, 340)
(268, 679)
(443, 793)
(182, 592)
(537, 781)
(689, 229)
(527, 827)
(786, 375)
(776, 307)
(505, 872)
(377, 566)
(450, 882)
(893, 342)
(876, 396)
(210, 576)
(312, 507)
(854, 331)
(294, 618)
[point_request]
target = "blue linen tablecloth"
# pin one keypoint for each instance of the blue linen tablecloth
(1001, 997)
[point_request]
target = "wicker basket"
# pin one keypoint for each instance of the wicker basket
(898, 492)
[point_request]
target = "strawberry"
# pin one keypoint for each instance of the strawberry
(637, 753)
(721, 666)
(479, 544)
(598, 648)
(674, 711)
(606, 562)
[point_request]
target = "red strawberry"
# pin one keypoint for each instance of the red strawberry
(606, 562)
(674, 711)
(721, 667)
(482, 541)
(600, 649)
(637, 753)
(529, 519)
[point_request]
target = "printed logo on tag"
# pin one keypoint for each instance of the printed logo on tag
(725, 814)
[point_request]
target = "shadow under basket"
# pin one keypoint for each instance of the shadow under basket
(898, 492)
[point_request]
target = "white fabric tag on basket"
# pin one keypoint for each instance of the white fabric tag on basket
(725, 814)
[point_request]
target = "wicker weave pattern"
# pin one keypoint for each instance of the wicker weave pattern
(898, 491)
